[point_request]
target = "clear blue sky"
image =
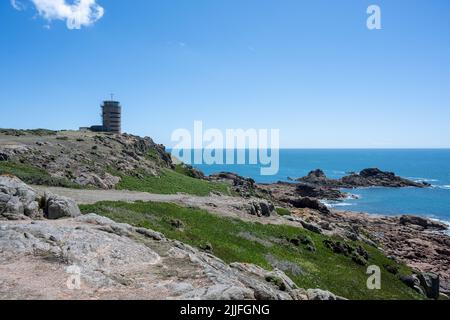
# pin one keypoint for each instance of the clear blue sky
(310, 68)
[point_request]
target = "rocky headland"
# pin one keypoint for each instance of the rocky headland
(83, 159)
(45, 175)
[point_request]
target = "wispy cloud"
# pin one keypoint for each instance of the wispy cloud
(77, 14)
(17, 5)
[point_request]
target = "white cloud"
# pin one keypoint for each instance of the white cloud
(77, 13)
(17, 5)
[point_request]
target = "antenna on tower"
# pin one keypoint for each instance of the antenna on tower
(112, 96)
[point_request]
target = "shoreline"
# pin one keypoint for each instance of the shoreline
(425, 249)
(398, 215)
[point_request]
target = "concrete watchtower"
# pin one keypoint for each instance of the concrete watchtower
(112, 116)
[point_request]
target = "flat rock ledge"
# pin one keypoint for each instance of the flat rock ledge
(92, 257)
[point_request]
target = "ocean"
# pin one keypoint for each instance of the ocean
(430, 165)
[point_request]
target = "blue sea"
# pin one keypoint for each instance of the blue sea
(430, 165)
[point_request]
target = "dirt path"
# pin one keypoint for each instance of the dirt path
(83, 196)
(222, 205)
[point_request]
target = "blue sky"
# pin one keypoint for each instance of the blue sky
(310, 68)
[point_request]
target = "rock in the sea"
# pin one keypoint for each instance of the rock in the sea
(430, 282)
(57, 207)
(17, 200)
(315, 177)
(376, 177)
(366, 178)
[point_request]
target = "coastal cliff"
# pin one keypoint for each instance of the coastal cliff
(265, 241)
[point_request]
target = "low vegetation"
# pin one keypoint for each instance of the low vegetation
(169, 182)
(303, 255)
(33, 132)
(33, 175)
(154, 156)
(283, 211)
(187, 170)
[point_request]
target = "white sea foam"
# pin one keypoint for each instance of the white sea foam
(447, 223)
(447, 187)
(333, 204)
(342, 204)
(422, 179)
(448, 227)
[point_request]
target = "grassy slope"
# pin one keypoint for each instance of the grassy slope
(170, 182)
(33, 175)
(322, 269)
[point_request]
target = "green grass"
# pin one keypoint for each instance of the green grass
(237, 241)
(153, 155)
(185, 170)
(179, 168)
(170, 182)
(34, 175)
(283, 211)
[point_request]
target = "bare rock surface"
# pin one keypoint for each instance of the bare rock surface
(318, 294)
(422, 222)
(117, 261)
(17, 200)
(306, 202)
(57, 207)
